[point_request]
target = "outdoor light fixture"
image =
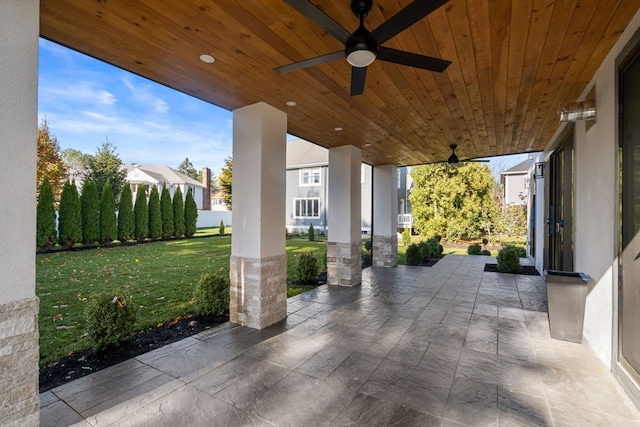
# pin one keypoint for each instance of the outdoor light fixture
(584, 110)
(539, 172)
(361, 48)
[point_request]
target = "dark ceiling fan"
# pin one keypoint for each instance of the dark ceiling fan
(362, 46)
(453, 159)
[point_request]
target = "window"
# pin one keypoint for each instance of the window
(306, 208)
(310, 176)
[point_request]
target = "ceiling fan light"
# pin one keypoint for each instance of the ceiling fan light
(361, 58)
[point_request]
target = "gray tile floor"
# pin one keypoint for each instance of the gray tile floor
(448, 345)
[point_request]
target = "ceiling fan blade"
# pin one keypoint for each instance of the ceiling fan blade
(412, 59)
(358, 77)
(310, 62)
(321, 19)
(476, 161)
(405, 18)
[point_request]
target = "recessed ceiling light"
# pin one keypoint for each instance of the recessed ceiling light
(338, 129)
(367, 145)
(291, 103)
(207, 58)
(388, 157)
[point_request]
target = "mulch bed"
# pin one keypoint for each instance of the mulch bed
(78, 365)
(527, 270)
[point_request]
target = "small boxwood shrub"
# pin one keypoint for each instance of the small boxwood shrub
(508, 260)
(221, 228)
(414, 255)
(474, 249)
(211, 296)
(430, 248)
(368, 245)
(307, 269)
(110, 319)
(485, 252)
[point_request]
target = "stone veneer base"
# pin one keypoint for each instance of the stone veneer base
(258, 294)
(385, 251)
(344, 264)
(19, 355)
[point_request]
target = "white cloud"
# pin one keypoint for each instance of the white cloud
(142, 94)
(78, 91)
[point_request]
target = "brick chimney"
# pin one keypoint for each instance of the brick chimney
(206, 194)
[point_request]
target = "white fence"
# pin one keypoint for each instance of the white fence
(212, 218)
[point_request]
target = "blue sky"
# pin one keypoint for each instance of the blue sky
(86, 101)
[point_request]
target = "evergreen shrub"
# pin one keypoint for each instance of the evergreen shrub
(190, 215)
(211, 296)
(69, 216)
(126, 221)
(108, 226)
(110, 319)
(141, 215)
(508, 260)
(90, 209)
(406, 237)
(155, 215)
(485, 252)
(166, 209)
(307, 269)
(46, 217)
(414, 255)
(221, 228)
(178, 213)
(311, 233)
(368, 245)
(474, 249)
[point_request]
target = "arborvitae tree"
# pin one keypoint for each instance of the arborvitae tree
(155, 215)
(126, 222)
(166, 208)
(178, 213)
(221, 228)
(108, 227)
(90, 208)
(190, 215)
(69, 216)
(141, 214)
(46, 217)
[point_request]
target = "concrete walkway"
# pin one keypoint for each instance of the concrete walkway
(445, 346)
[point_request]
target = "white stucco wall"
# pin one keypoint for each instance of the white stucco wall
(385, 206)
(595, 216)
(344, 213)
(19, 29)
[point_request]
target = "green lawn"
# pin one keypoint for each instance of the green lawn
(159, 276)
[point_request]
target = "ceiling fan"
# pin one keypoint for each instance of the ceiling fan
(362, 46)
(453, 159)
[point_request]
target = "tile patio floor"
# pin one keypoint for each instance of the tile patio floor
(448, 345)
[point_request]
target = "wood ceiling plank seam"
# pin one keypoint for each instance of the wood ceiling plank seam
(539, 26)
(500, 27)
(520, 20)
(460, 24)
(481, 34)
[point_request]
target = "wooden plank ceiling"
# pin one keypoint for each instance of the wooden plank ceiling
(514, 63)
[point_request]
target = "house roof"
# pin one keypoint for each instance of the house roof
(520, 168)
(301, 153)
(165, 174)
(513, 64)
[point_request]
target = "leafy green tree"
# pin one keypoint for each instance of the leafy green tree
(225, 179)
(105, 166)
(186, 167)
(166, 209)
(178, 213)
(155, 215)
(69, 216)
(141, 215)
(46, 217)
(108, 227)
(513, 220)
(90, 209)
(50, 163)
(454, 202)
(190, 214)
(126, 221)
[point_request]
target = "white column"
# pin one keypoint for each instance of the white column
(258, 267)
(19, 29)
(385, 216)
(344, 245)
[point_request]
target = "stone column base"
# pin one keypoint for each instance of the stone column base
(344, 264)
(258, 294)
(19, 354)
(385, 251)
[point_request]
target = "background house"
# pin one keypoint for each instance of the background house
(515, 183)
(306, 182)
(145, 177)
